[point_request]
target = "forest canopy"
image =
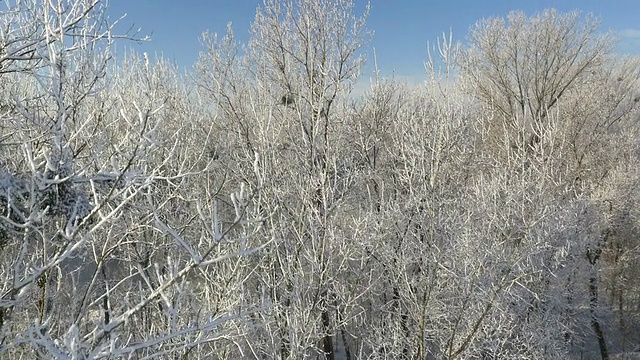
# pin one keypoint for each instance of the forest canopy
(256, 208)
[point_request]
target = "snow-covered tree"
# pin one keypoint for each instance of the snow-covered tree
(108, 244)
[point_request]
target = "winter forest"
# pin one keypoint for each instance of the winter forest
(254, 207)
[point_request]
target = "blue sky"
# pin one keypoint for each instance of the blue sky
(401, 27)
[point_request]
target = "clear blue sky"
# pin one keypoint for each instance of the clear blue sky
(401, 27)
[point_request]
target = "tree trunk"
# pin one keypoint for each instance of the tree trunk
(327, 345)
(595, 324)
